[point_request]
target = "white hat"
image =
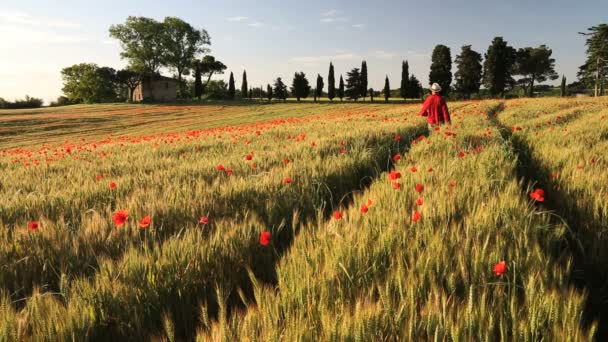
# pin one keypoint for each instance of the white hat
(436, 87)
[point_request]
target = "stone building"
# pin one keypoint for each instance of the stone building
(157, 89)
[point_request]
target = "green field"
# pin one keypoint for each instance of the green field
(364, 245)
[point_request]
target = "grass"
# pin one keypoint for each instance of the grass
(377, 275)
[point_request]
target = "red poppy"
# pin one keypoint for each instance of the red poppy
(264, 238)
(396, 185)
(413, 169)
(461, 154)
(419, 201)
(394, 175)
(369, 203)
(419, 188)
(287, 180)
(516, 128)
(112, 185)
(203, 220)
(364, 209)
(416, 217)
(452, 184)
(33, 226)
(343, 151)
(249, 156)
(337, 215)
(538, 195)
(397, 138)
(229, 172)
(396, 157)
(554, 175)
(99, 177)
(500, 268)
(145, 222)
(430, 169)
(286, 161)
(120, 218)
(220, 167)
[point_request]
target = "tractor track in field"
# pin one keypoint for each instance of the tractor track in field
(588, 274)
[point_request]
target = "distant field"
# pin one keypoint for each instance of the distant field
(307, 221)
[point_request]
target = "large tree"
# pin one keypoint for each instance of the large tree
(231, 88)
(331, 83)
(468, 71)
(341, 88)
(208, 66)
(181, 44)
(387, 89)
(363, 82)
(244, 86)
(353, 84)
(534, 65)
(89, 83)
(441, 68)
(280, 89)
(300, 87)
(319, 88)
(498, 67)
(141, 40)
(405, 69)
(268, 92)
(130, 79)
(414, 88)
(594, 72)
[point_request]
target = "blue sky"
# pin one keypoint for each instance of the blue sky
(277, 38)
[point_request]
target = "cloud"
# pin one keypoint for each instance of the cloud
(21, 18)
(333, 19)
(329, 13)
(238, 18)
(257, 24)
(359, 26)
(18, 35)
(384, 54)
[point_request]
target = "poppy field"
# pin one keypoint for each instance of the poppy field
(305, 222)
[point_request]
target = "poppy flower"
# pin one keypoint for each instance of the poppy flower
(33, 226)
(249, 156)
(203, 220)
(461, 154)
(430, 169)
(337, 215)
(452, 184)
(500, 268)
(419, 201)
(554, 175)
(254, 166)
(145, 222)
(220, 167)
(112, 185)
(538, 195)
(394, 175)
(343, 151)
(396, 185)
(264, 238)
(416, 217)
(397, 138)
(120, 218)
(229, 172)
(396, 157)
(364, 209)
(419, 188)
(286, 161)
(414, 169)
(99, 177)
(287, 180)
(369, 203)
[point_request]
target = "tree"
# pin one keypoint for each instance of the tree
(414, 87)
(371, 94)
(231, 89)
(181, 44)
(280, 89)
(244, 86)
(320, 85)
(441, 68)
(142, 42)
(595, 70)
(198, 83)
(341, 89)
(300, 87)
(534, 64)
(563, 89)
(209, 66)
(88, 83)
(251, 93)
(405, 69)
(217, 90)
(269, 92)
(387, 89)
(129, 79)
(363, 81)
(353, 84)
(468, 71)
(498, 67)
(331, 83)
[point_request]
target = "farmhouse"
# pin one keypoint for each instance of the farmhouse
(157, 88)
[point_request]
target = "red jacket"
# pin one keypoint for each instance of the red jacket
(436, 110)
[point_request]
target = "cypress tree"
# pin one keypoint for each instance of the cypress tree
(320, 85)
(353, 84)
(371, 94)
(363, 79)
(468, 71)
(403, 91)
(563, 87)
(269, 92)
(251, 93)
(387, 89)
(331, 86)
(299, 88)
(497, 67)
(244, 86)
(441, 68)
(231, 90)
(280, 89)
(198, 83)
(341, 89)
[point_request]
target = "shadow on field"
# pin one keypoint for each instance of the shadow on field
(584, 241)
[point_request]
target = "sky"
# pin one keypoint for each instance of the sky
(272, 38)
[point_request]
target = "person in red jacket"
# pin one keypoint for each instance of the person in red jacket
(435, 108)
